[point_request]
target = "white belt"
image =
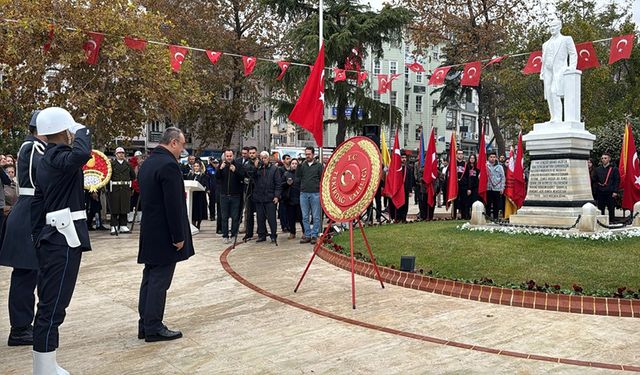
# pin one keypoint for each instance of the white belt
(128, 183)
(78, 215)
(62, 220)
(26, 191)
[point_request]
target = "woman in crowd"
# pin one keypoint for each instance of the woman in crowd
(471, 174)
(199, 209)
(592, 177)
(10, 190)
(291, 198)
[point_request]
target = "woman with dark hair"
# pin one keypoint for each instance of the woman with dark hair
(471, 174)
(592, 177)
(291, 198)
(199, 209)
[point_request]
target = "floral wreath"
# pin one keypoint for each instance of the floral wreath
(97, 171)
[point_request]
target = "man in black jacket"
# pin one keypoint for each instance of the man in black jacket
(607, 180)
(165, 234)
(266, 195)
(230, 177)
(59, 228)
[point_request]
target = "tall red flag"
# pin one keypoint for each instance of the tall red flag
(515, 189)
(92, 47)
(394, 184)
(339, 75)
(471, 74)
(438, 76)
(362, 76)
(430, 173)
(534, 64)
(309, 109)
(621, 47)
(213, 56)
(631, 193)
(483, 176)
(135, 43)
(284, 65)
(622, 165)
(587, 57)
(249, 64)
(50, 34)
(452, 171)
(176, 56)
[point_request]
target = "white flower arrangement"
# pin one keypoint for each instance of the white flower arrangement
(608, 235)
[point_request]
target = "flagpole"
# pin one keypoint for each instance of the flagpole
(320, 42)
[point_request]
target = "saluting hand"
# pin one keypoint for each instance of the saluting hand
(179, 245)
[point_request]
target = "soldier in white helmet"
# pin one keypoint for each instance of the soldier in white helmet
(122, 174)
(59, 228)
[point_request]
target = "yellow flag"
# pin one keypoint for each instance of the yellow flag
(510, 208)
(386, 157)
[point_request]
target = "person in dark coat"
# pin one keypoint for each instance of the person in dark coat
(230, 177)
(199, 206)
(17, 249)
(247, 207)
(282, 208)
(59, 227)
(460, 204)
(211, 189)
(122, 174)
(165, 233)
(291, 198)
(607, 180)
(266, 195)
(471, 174)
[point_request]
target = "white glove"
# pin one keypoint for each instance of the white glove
(74, 128)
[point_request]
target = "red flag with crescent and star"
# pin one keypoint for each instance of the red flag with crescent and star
(497, 59)
(471, 74)
(631, 193)
(362, 76)
(249, 64)
(416, 67)
(515, 188)
(309, 109)
(383, 79)
(430, 173)
(587, 57)
(339, 75)
(621, 47)
(534, 63)
(438, 76)
(135, 43)
(92, 47)
(177, 55)
(452, 172)
(47, 46)
(213, 56)
(284, 65)
(483, 176)
(394, 184)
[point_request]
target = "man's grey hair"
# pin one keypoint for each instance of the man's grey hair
(170, 134)
(264, 153)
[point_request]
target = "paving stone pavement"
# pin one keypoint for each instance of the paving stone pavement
(230, 329)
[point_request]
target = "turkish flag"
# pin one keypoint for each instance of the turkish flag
(362, 76)
(135, 43)
(394, 184)
(587, 57)
(430, 173)
(283, 69)
(177, 55)
(515, 188)
(383, 81)
(50, 35)
(621, 47)
(438, 76)
(631, 193)
(622, 165)
(452, 172)
(309, 109)
(416, 67)
(92, 47)
(249, 64)
(339, 75)
(483, 176)
(496, 60)
(471, 74)
(213, 56)
(534, 64)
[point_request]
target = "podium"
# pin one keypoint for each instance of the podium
(191, 186)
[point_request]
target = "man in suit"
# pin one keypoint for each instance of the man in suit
(555, 52)
(165, 234)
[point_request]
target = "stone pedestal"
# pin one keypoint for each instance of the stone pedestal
(559, 183)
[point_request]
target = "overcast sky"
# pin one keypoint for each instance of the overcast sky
(377, 4)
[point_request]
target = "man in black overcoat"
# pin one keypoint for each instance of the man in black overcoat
(165, 234)
(607, 181)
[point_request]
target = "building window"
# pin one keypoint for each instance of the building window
(419, 77)
(436, 55)
(452, 118)
(434, 107)
(393, 67)
(469, 96)
(418, 131)
(376, 67)
(419, 103)
(469, 122)
(406, 103)
(394, 98)
(406, 134)
(227, 94)
(376, 96)
(155, 126)
(406, 73)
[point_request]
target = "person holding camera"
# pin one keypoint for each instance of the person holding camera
(230, 179)
(266, 195)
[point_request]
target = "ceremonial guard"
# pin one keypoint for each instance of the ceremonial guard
(17, 249)
(59, 228)
(122, 174)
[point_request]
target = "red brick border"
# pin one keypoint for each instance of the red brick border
(491, 294)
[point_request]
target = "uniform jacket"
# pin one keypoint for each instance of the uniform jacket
(60, 185)
(17, 249)
(163, 201)
(606, 184)
(268, 183)
(120, 196)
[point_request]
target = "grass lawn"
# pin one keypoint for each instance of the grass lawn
(461, 254)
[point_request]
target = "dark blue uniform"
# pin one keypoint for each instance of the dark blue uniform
(17, 248)
(59, 185)
(165, 222)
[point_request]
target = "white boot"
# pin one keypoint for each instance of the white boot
(139, 217)
(124, 229)
(45, 364)
(130, 217)
(113, 231)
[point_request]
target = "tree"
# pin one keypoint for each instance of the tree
(347, 26)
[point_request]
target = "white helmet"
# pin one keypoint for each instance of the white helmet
(119, 149)
(54, 120)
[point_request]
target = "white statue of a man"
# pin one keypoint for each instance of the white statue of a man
(555, 53)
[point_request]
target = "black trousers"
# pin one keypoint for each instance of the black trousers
(218, 214)
(230, 208)
(266, 212)
(22, 297)
(605, 199)
(156, 280)
(212, 205)
(294, 215)
(494, 200)
(118, 220)
(248, 212)
(423, 213)
(59, 267)
(462, 206)
(282, 215)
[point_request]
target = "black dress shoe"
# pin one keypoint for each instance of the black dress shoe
(141, 334)
(164, 334)
(21, 337)
(261, 239)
